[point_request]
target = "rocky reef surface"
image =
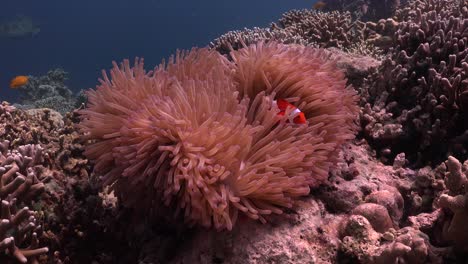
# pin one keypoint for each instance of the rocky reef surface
(397, 193)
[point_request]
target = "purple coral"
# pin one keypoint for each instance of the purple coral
(455, 229)
(17, 176)
(417, 100)
(305, 27)
(19, 185)
(17, 227)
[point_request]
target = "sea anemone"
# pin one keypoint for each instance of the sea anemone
(202, 134)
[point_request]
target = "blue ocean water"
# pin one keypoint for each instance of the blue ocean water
(84, 37)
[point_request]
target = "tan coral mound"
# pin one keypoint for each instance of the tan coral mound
(202, 134)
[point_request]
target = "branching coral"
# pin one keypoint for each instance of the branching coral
(48, 91)
(237, 39)
(307, 27)
(16, 228)
(366, 9)
(19, 185)
(419, 94)
(69, 210)
(18, 178)
(202, 133)
(326, 29)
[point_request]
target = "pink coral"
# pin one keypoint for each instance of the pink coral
(202, 133)
(455, 229)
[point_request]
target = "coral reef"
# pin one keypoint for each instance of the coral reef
(19, 173)
(355, 66)
(214, 153)
(366, 10)
(406, 245)
(455, 230)
(17, 228)
(332, 225)
(307, 27)
(70, 211)
(203, 137)
(237, 39)
(19, 185)
(419, 94)
(334, 29)
(48, 91)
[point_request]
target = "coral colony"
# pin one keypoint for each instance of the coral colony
(329, 137)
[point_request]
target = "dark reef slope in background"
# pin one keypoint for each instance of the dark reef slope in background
(83, 37)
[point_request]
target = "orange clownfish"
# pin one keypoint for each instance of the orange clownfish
(299, 117)
(319, 5)
(19, 81)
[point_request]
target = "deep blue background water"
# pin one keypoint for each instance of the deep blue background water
(83, 37)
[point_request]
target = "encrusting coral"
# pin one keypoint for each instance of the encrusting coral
(203, 133)
(455, 201)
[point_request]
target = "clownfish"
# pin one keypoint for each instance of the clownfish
(299, 117)
(19, 81)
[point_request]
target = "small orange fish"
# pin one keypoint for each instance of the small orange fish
(283, 105)
(319, 5)
(19, 81)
